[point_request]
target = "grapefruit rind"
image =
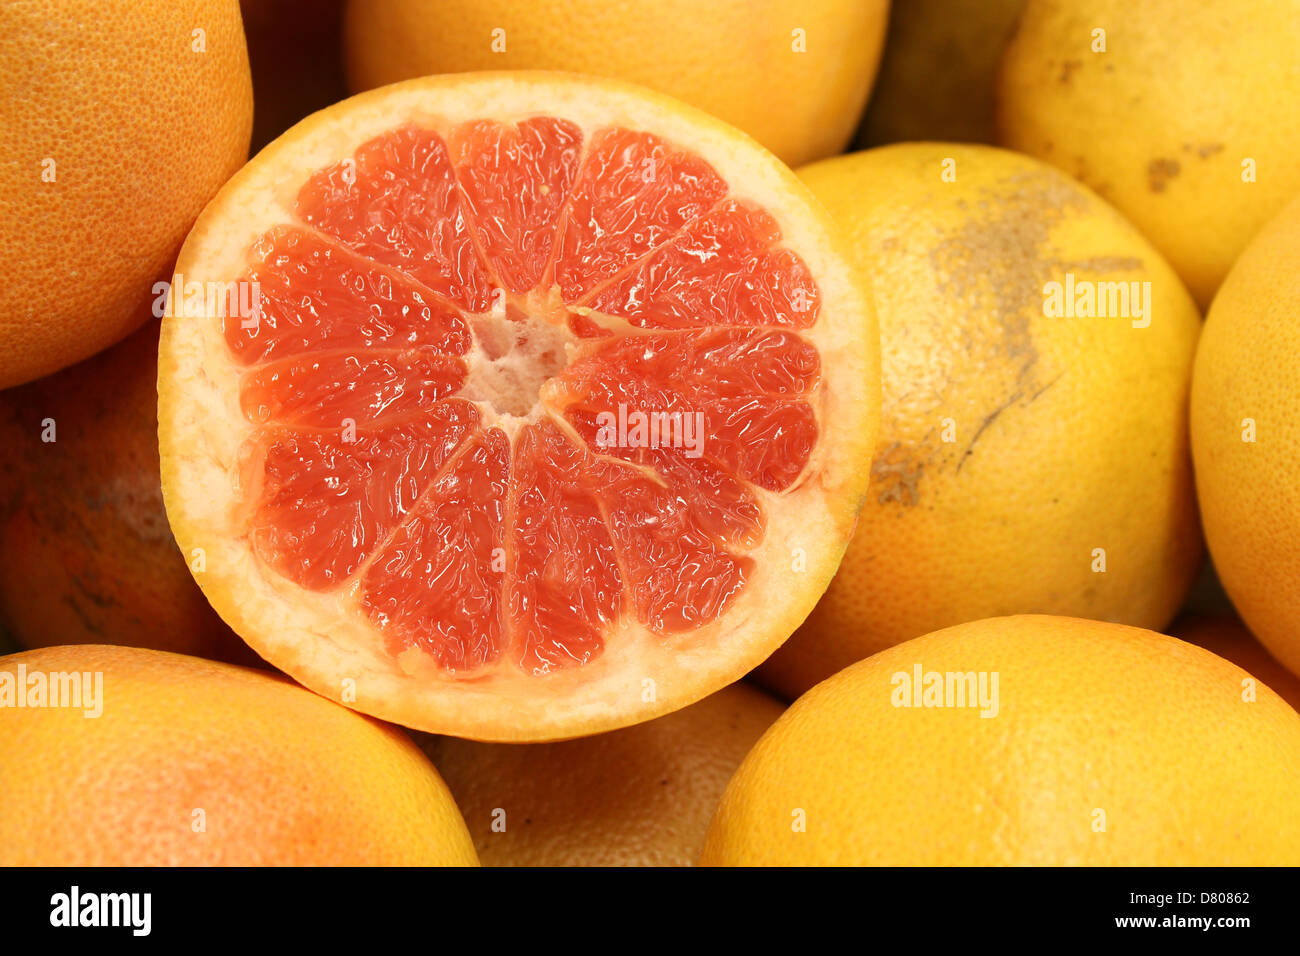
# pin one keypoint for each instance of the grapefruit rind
(319, 637)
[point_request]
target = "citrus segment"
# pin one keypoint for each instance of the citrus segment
(314, 295)
(322, 390)
(634, 193)
(433, 585)
(396, 202)
(326, 503)
(515, 182)
(721, 270)
(761, 423)
(521, 388)
(566, 583)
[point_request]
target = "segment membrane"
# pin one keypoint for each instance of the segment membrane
(516, 182)
(315, 295)
(397, 202)
(635, 192)
(437, 583)
(721, 270)
(464, 545)
(324, 503)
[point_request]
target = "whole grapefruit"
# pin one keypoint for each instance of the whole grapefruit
(86, 555)
(1031, 459)
(121, 118)
(1225, 635)
(794, 74)
(938, 76)
(1028, 740)
(1183, 115)
(640, 796)
(173, 760)
(1245, 429)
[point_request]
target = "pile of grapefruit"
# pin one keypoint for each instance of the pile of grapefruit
(516, 462)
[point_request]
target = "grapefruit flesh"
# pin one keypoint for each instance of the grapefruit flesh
(522, 386)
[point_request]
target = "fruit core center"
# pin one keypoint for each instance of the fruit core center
(518, 349)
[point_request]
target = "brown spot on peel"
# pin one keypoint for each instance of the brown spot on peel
(1160, 171)
(1068, 68)
(991, 270)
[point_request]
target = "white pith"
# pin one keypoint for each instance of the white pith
(324, 638)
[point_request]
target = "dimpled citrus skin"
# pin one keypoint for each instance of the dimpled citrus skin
(86, 556)
(1012, 444)
(641, 796)
(282, 776)
(1111, 745)
(141, 130)
(1226, 636)
(1161, 122)
(1247, 380)
(731, 58)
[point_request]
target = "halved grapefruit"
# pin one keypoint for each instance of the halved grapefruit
(554, 415)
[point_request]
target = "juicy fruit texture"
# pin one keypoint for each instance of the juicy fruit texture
(1245, 406)
(641, 796)
(117, 132)
(429, 582)
(794, 74)
(86, 556)
(1199, 166)
(1105, 745)
(1027, 462)
(194, 763)
(432, 424)
(1225, 635)
(938, 75)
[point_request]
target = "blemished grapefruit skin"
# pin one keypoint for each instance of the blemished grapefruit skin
(477, 560)
(121, 119)
(86, 554)
(1186, 121)
(1107, 746)
(794, 74)
(640, 796)
(938, 75)
(1245, 429)
(195, 763)
(1027, 462)
(1225, 635)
